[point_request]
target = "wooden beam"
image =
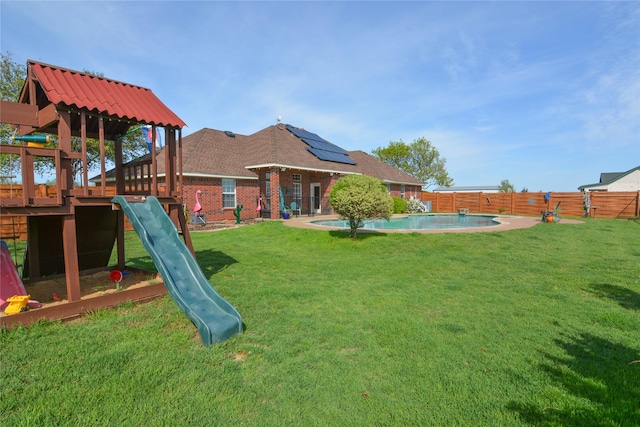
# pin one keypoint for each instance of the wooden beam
(47, 116)
(73, 310)
(15, 113)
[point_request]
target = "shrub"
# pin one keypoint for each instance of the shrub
(414, 206)
(399, 205)
(360, 197)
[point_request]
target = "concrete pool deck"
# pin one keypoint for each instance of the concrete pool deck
(507, 222)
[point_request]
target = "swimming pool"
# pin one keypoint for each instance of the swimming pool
(418, 222)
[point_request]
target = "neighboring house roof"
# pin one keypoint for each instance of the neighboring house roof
(609, 178)
(469, 189)
(101, 95)
(223, 154)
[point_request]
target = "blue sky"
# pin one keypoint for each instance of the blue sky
(544, 94)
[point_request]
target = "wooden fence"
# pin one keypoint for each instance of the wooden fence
(603, 204)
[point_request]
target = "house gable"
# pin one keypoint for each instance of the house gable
(616, 181)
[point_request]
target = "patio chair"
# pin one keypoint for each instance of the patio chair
(295, 208)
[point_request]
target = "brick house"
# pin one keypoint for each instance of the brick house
(281, 168)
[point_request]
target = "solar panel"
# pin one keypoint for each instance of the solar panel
(331, 156)
(301, 133)
(321, 148)
(325, 146)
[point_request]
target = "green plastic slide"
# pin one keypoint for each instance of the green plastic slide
(215, 318)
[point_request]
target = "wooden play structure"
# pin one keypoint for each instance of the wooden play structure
(75, 230)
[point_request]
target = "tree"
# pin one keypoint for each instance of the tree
(12, 76)
(12, 79)
(419, 159)
(506, 187)
(360, 197)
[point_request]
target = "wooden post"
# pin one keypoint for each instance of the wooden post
(83, 139)
(180, 178)
(103, 165)
(64, 142)
(28, 185)
(33, 251)
(71, 267)
(170, 163)
(154, 161)
(120, 180)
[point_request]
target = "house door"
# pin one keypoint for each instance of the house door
(316, 198)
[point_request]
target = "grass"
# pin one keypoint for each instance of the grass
(528, 327)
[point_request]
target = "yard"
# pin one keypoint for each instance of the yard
(539, 326)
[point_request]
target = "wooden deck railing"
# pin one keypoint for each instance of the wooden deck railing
(26, 156)
(138, 179)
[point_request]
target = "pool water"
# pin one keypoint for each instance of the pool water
(418, 222)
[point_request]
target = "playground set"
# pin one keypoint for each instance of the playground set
(74, 231)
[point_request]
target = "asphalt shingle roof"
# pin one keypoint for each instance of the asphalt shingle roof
(212, 152)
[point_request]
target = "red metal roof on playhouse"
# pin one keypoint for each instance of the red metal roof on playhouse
(103, 95)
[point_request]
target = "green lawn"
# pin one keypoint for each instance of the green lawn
(529, 327)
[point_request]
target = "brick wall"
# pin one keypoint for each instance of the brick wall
(247, 192)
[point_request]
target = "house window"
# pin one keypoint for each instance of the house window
(297, 192)
(297, 177)
(267, 186)
(267, 193)
(402, 191)
(228, 193)
(388, 188)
